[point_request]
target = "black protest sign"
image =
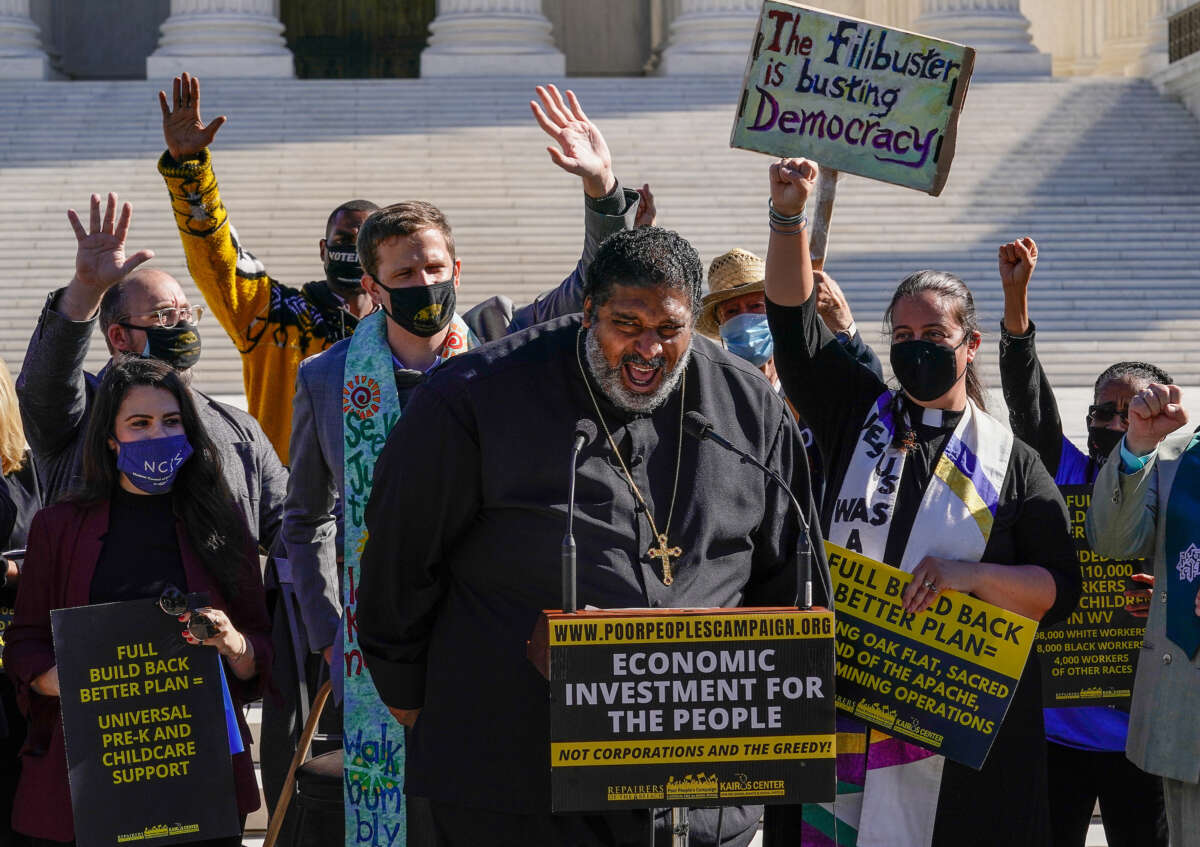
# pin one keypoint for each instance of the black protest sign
(145, 727)
(942, 679)
(703, 708)
(1090, 658)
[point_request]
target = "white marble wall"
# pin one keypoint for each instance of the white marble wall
(490, 37)
(21, 53)
(221, 38)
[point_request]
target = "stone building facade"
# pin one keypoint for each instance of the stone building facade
(42, 39)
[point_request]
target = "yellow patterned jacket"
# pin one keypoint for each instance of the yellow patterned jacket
(274, 326)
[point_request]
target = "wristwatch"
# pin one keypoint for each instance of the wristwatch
(843, 337)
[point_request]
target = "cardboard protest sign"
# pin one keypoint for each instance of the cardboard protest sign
(1090, 659)
(145, 728)
(853, 95)
(942, 679)
(690, 708)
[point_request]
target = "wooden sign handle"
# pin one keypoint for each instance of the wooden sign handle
(818, 239)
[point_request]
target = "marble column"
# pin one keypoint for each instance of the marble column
(995, 28)
(21, 53)
(1153, 57)
(491, 38)
(1090, 39)
(221, 38)
(1125, 30)
(711, 37)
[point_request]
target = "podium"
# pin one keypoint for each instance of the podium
(654, 708)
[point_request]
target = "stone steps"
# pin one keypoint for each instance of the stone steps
(1102, 172)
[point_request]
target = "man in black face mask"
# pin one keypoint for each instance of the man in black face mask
(274, 326)
(1085, 745)
(142, 312)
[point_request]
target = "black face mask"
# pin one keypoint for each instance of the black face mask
(926, 370)
(343, 271)
(423, 310)
(1102, 440)
(178, 346)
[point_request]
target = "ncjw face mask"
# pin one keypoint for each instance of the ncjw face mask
(926, 370)
(423, 310)
(748, 337)
(152, 464)
(343, 271)
(178, 346)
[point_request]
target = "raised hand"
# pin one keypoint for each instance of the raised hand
(100, 260)
(581, 148)
(1154, 413)
(832, 305)
(1017, 260)
(792, 181)
(647, 212)
(184, 131)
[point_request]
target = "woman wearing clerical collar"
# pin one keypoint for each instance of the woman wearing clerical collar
(922, 478)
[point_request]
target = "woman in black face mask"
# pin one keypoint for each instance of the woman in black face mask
(1085, 744)
(922, 478)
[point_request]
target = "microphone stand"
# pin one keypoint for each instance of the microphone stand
(702, 430)
(569, 601)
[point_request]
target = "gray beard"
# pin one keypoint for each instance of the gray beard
(609, 380)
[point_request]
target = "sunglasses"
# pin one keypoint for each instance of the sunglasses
(175, 603)
(1105, 412)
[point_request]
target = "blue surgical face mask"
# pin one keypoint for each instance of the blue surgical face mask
(748, 337)
(152, 464)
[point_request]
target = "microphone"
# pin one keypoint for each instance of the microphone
(585, 434)
(699, 427)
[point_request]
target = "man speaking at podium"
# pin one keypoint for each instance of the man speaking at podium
(469, 509)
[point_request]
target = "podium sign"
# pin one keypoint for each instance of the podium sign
(144, 724)
(688, 707)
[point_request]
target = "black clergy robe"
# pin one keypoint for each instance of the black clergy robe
(467, 516)
(1005, 802)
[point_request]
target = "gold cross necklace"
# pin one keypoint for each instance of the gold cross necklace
(662, 552)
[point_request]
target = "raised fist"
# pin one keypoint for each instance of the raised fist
(1154, 413)
(1017, 260)
(792, 181)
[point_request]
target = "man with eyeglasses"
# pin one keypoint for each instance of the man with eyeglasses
(143, 312)
(1085, 745)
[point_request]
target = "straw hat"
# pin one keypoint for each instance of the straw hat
(730, 275)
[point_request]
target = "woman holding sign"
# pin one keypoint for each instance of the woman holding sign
(1086, 758)
(922, 478)
(151, 512)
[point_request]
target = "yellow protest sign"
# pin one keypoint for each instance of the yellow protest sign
(943, 678)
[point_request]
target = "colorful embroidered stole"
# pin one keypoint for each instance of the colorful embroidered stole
(887, 790)
(372, 739)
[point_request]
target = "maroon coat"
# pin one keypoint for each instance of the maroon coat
(62, 551)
